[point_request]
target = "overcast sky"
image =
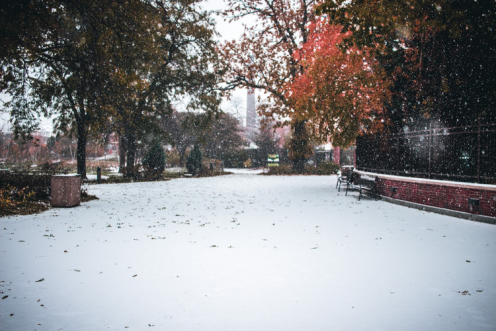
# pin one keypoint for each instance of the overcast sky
(228, 31)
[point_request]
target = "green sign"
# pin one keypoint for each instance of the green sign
(273, 158)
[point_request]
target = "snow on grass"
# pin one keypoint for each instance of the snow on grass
(244, 252)
(244, 171)
(94, 177)
(175, 169)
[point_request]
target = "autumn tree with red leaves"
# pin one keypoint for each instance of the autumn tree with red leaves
(262, 58)
(341, 93)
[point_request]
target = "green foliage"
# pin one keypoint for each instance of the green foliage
(194, 160)
(155, 158)
(105, 65)
(68, 80)
(183, 57)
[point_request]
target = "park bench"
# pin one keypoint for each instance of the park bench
(345, 175)
(367, 187)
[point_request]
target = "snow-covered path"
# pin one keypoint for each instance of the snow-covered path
(244, 252)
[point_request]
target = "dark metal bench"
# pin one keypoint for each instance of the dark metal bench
(344, 177)
(364, 184)
(367, 187)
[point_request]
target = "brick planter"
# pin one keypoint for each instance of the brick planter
(475, 199)
(66, 190)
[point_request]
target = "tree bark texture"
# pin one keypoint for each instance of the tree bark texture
(81, 147)
(122, 153)
(299, 147)
(131, 152)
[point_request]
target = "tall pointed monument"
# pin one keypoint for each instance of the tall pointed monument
(251, 113)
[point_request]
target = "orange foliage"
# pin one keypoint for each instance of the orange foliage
(341, 92)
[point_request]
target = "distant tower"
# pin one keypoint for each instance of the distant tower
(251, 113)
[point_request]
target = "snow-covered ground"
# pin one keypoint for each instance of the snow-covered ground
(244, 252)
(94, 177)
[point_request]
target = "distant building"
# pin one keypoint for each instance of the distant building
(251, 115)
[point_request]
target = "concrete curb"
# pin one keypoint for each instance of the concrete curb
(442, 211)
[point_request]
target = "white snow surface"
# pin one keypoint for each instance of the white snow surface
(94, 177)
(244, 252)
(245, 171)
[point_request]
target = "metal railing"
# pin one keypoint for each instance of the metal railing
(466, 154)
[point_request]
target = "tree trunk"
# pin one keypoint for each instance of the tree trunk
(81, 148)
(122, 153)
(131, 152)
(299, 146)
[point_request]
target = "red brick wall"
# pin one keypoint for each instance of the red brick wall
(337, 155)
(449, 196)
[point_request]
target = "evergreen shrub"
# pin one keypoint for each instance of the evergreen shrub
(155, 158)
(194, 160)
